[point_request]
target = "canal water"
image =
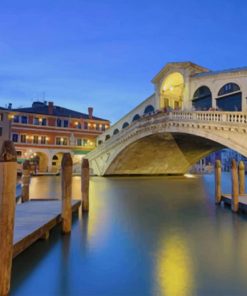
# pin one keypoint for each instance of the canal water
(142, 236)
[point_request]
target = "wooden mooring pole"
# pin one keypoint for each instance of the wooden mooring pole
(218, 182)
(26, 176)
(85, 185)
(8, 171)
(235, 186)
(66, 180)
(241, 172)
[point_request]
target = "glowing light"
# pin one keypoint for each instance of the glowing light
(189, 176)
(35, 154)
(40, 119)
(89, 124)
(171, 87)
(76, 123)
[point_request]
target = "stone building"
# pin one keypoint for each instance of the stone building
(4, 125)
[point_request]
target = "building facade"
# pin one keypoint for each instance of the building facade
(44, 132)
(4, 126)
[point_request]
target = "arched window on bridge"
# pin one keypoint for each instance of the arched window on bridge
(230, 97)
(107, 137)
(149, 109)
(100, 142)
(202, 98)
(126, 124)
(116, 131)
(136, 117)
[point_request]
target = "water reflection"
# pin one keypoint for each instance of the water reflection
(142, 236)
(175, 272)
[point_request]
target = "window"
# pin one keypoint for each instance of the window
(15, 138)
(65, 141)
(1, 131)
(84, 142)
(43, 140)
(97, 126)
(36, 121)
(35, 139)
(228, 88)
(24, 119)
(126, 124)
(116, 131)
(44, 121)
(149, 109)
(202, 98)
(23, 138)
(1, 116)
(65, 123)
(79, 125)
(85, 125)
(18, 153)
(107, 137)
(79, 142)
(136, 117)
(58, 141)
(103, 127)
(59, 122)
(16, 119)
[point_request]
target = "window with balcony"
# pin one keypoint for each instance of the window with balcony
(23, 138)
(15, 138)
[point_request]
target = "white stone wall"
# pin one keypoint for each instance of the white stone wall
(128, 117)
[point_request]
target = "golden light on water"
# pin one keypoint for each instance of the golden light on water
(174, 268)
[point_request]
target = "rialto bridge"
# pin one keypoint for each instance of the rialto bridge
(192, 113)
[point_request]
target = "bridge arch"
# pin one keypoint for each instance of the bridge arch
(202, 98)
(107, 137)
(230, 97)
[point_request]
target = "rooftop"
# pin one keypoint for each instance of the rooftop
(209, 73)
(49, 108)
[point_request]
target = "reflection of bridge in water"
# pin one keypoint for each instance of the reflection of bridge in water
(160, 135)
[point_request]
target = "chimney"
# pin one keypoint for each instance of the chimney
(90, 112)
(50, 107)
(10, 106)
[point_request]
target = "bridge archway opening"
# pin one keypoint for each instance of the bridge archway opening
(202, 99)
(171, 93)
(39, 161)
(56, 161)
(230, 97)
(163, 153)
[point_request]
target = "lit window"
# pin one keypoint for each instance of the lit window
(36, 121)
(58, 141)
(35, 139)
(23, 138)
(65, 141)
(43, 140)
(79, 142)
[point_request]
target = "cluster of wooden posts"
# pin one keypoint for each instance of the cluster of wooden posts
(237, 181)
(8, 173)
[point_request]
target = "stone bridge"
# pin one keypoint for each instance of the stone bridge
(169, 142)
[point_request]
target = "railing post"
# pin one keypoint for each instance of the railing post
(66, 180)
(218, 182)
(8, 172)
(85, 185)
(235, 188)
(25, 180)
(241, 171)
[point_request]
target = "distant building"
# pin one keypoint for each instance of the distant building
(4, 126)
(44, 131)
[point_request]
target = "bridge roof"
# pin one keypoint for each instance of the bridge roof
(178, 65)
(211, 73)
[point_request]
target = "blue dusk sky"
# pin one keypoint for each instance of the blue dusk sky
(103, 53)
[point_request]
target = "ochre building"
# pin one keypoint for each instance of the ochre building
(44, 132)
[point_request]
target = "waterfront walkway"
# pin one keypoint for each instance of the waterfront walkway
(34, 220)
